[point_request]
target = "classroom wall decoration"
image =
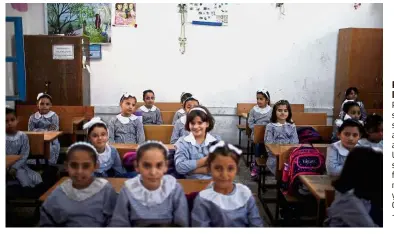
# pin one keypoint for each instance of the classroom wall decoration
(125, 15)
(211, 14)
(92, 20)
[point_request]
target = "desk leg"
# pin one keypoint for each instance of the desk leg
(239, 132)
(320, 212)
(74, 137)
(47, 150)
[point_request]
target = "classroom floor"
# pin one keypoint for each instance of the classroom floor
(24, 216)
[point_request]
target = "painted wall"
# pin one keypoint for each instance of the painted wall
(293, 56)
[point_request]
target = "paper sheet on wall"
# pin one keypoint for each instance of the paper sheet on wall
(208, 12)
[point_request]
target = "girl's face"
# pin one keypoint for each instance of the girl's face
(152, 166)
(131, 6)
(282, 113)
(149, 99)
(352, 95)
(198, 127)
(349, 137)
(125, 6)
(44, 105)
(223, 170)
(119, 7)
(376, 136)
(99, 138)
(11, 122)
(80, 167)
(190, 105)
(127, 106)
(261, 100)
(354, 112)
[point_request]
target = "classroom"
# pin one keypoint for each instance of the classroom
(257, 108)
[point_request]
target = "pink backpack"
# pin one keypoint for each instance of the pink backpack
(304, 160)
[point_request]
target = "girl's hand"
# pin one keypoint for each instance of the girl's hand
(12, 172)
(52, 127)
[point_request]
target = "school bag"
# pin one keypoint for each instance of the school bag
(308, 135)
(303, 160)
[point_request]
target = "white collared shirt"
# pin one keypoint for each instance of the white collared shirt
(145, 109)
(37, 115)
(126, 120)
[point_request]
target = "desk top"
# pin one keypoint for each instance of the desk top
(189, 185)
(51, 136)
(11, 159)
(317, 184)
(78, 120)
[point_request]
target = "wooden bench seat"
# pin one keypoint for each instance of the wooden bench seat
(71, 118)
(159, 133)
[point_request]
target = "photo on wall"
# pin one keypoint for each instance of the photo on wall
(92, 20)
(125, 15)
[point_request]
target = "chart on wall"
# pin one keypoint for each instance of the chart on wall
(92, 20)
(125, 15)
(215, 14)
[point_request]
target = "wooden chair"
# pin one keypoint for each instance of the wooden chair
(167, 117)
(164, 106)
(159, 133)
(376, 111)
(307, 118)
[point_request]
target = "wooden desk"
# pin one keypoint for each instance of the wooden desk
(244, 115)
(124, 148)
(49, 137)
(317, 184)
(11, 159)
(189, 185)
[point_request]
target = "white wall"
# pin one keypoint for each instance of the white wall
(292, 56)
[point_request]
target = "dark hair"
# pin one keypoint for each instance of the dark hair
(274, 118)
(349, 90)
(190, 99)
(145, 92)
(372, 123)
(86, 148)
(184, 96)
(10, 111)
(99, 125)
(224, 151)
(204, 117)
(362, 172)
(124, 98)
(348, 105)
(117, 4)
(151, 145)
(351, 123)
(266, 96)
